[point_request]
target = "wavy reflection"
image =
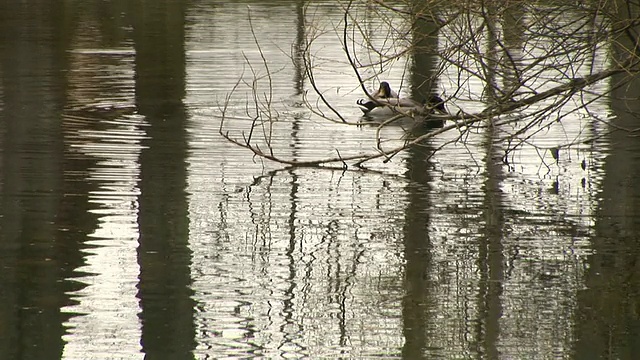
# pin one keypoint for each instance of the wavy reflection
(102, 132)
(465, 251)
(304, 272)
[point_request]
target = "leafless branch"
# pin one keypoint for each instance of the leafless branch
(535, 76)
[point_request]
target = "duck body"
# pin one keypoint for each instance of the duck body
(385, 102)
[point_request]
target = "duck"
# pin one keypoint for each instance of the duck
(386, 102)
(383, 94)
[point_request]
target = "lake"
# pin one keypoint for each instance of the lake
(130, 228)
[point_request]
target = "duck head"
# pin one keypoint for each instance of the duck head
(384, 91)
(437, 104)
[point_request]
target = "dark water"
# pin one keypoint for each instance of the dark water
(130, 229)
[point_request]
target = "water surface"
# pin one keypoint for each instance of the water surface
(130, 228)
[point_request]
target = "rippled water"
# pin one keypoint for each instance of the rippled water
(131, 228)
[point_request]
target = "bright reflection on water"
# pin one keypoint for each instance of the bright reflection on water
(108, 305)
(312, 261)
(325, 263)
(108, 325)
(131, 229)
